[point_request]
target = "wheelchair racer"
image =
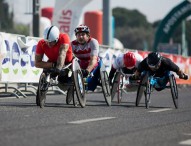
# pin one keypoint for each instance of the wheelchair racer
(128, 62)
(56, 46)
(159, 66)
(86, 49)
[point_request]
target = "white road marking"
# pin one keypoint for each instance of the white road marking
(185, 142)
(160, 110)
(187, 133)
(90, 120)
(14, 97)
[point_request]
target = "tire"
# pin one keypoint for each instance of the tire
(147, 93)
(41, 95)
(105, 86)
(79, 87)
(115, 85)
(70, 95)
(141, 88)
(37, 98)
(174, 90)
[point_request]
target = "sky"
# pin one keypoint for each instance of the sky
(152, 9)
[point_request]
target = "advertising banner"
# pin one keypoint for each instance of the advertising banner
(17, 65)
(67, 14)
(17, 56)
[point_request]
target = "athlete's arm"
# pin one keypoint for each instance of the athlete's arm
(93, 61)
(39, 63)
(62, 55)
(94, 55)
(171, 65)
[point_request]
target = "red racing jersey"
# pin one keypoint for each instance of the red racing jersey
(84, 51)
(52, 53)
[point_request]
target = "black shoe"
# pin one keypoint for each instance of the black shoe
(70, 95)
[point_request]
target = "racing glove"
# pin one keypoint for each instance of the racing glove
(182, 75)
(55, 72)
(85, 73)
(133, 77)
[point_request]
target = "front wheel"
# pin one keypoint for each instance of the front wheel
(115, 85)
(79, 87)
(105, 87)
(174, 90)
(147, 93)
(141, 88)
(41, 92)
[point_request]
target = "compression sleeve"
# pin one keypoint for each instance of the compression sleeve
(142, 65)
(171, 65)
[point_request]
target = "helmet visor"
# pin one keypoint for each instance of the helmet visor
(80, 29)
(156, 66)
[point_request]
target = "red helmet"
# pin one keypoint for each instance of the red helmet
(129, 60)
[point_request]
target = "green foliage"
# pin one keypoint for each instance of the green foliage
(131, 18)
(21, 29)
(132, 28)
(177, 35)
(7, 24)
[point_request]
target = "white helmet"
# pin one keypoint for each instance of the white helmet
(51, 34)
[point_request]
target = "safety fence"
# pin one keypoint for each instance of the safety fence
(18, 73)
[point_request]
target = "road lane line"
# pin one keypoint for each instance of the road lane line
(160, 110)
(90, 120)
(185, 142)
(187, 133)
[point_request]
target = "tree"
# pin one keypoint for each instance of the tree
(7, 24)
(132, 28)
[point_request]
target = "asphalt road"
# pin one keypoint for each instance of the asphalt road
(124, 124)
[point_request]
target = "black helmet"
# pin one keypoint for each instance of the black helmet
(154, 60)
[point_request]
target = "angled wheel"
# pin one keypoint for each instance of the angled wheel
(70, 95)
(78, 83)
(80, 88)
(105, 87)
(174, 90)
(115, 85)
(41, 92)
(141, 88)
(147, 93)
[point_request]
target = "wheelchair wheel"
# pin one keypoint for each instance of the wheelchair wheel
(70, 95)
(147, 93)
(174, 90)
(141, 88)
(115, 85)
(79, 87)
(41, 94)
(105, 86)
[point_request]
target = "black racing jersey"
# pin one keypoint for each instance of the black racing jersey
(166, 65)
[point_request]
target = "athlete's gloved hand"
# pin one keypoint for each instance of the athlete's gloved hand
(55, 72)
(182, 75)
(133, 77)
(85, 73)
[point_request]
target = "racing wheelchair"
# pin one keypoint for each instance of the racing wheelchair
(148, 82)
(122, 84)
(99, 77)
(73, 79)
